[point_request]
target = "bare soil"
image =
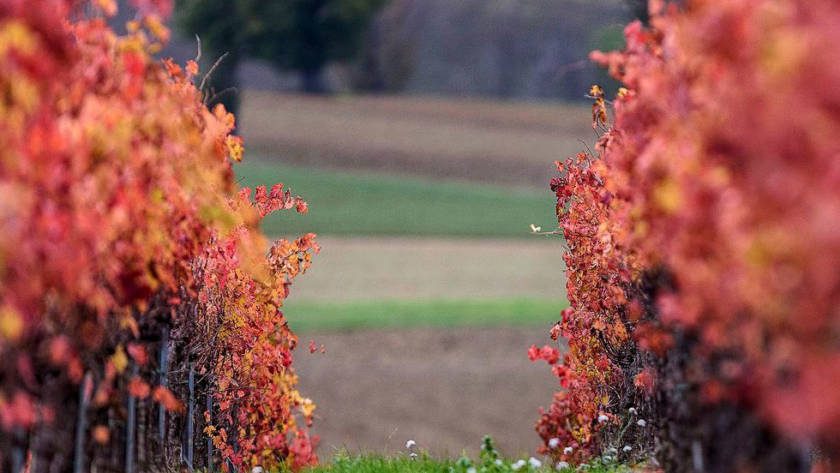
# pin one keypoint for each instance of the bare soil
(483, 141)
(419, 268)
(444, 388)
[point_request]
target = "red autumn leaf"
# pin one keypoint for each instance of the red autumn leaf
(160, 238)
(60, 350)
(314, 347)
(138, 388)
(645, 381)
(164, 397)
(138, 353)
(533, 353)
(555, 332)
(547, 353)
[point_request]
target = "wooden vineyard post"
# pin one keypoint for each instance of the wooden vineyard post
(17, 452)
(164, 362)
(209, 407)
(81, 425)
(130, 428)
(191, 417)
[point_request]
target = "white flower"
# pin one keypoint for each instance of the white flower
(633, 411)
(535, 229)
(472, 470)
(627, 448)
(412, 455)
(561, 465)
(553, 443)
(410, 443)
(518, 465)
(257, 469)
(568, 450)
(602, 418)
(498, 462)
(612, 451)
(641, 423)
(534, 462)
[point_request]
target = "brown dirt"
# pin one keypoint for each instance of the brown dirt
(357, 268)
(444, 388)
(511, 143)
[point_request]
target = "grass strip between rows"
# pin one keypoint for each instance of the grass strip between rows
(308, 316)
(368, 204)
(344, 462)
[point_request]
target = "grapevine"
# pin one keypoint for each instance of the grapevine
(120, 219)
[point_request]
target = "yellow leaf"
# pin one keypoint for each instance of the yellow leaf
(668, 196)
(11, 323)
(157, 28)
(119, 359)
(15, 34)
(108, 7)
(235, 148)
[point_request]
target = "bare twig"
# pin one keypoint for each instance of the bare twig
(211, 71)
(555, 232)
(222, 92)
(585, 144)
(198, 48)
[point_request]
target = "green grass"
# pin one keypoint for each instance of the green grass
(345, 203)
(489, 460)
(307, 316)
(344, 463)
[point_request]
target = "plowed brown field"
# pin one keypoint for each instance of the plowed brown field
(511, 143)
(444, 388)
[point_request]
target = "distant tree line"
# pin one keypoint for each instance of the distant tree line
(638, 9)
(298, 35)
(500, 48)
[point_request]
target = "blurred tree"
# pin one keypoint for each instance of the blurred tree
(387, 59)
(305, 35)
(498, 48)
(639, 9)
(220, 26)
(299, 35)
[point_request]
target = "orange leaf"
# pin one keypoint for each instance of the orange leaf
(138, 388)
(138, 353)
(101, 434)
(168, 400)
(108, 7)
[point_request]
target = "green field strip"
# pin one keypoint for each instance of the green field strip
(358, 204)
(317, 316)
